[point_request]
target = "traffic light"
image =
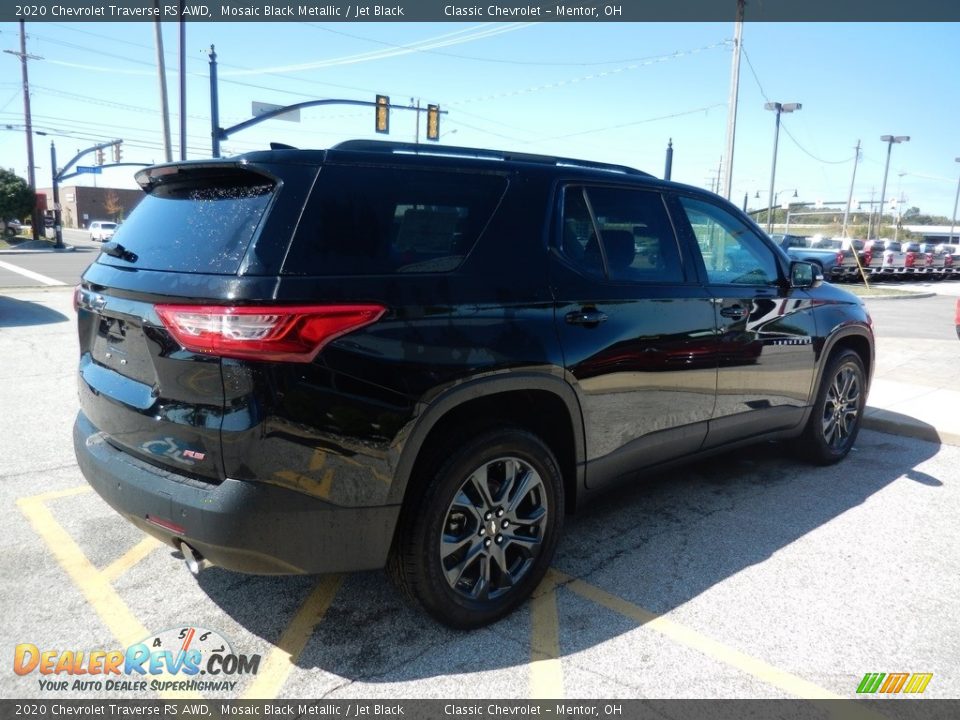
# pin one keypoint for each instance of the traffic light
(382, 120)
(433, 122)
(117, 153)
(99, 156)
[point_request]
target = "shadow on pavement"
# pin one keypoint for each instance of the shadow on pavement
(23, 313)
(657, 544)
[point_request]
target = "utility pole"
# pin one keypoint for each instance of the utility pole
(28, 123)
(162, 73)
(732, 100)
(846, 213)
(183, 84)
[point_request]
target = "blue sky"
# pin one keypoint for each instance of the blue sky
(613, 92)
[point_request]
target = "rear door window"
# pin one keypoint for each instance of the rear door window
(195, 222)
(372, 221)
(623, 234)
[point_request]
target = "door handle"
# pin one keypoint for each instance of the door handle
(737, 312)
(586, 317)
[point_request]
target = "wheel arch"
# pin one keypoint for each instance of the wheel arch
(854, 337)
(543, 404)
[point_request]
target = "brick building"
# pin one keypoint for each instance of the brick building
(80, 205)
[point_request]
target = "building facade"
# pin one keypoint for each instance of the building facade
(81, 205)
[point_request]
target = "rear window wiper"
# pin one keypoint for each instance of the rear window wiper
(115, 249)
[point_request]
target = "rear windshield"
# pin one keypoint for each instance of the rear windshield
(196, 223)
(375, 220)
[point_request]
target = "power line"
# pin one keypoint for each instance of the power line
(592, 76)
(703, 109)
(502, 61)
(783, 127)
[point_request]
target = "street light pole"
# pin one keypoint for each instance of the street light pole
(954, 221)
(778, 108)
(889, 140)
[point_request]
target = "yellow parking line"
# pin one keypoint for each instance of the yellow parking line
(691, 638)
(57, 494)
(130, 558)
(273, 673)
(94, 585)
(546, 671)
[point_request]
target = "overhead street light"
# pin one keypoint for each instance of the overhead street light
(778, 108)
(889, 140)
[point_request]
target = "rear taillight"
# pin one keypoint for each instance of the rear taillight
(840, 257)
(77, 294)
(910, 259)
(948, 260)
(265, 332)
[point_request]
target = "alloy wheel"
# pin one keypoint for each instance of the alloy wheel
(493, 529)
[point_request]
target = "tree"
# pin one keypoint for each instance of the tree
(112, 205)
(17, 200)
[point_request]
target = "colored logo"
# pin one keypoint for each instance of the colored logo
(893, 683)
(170, 660)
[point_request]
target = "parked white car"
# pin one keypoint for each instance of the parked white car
(102, 230)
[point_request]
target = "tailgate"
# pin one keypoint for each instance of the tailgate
(147, 395)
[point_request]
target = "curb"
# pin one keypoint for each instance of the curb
(37, 251)
(893, 423)
(909, 296)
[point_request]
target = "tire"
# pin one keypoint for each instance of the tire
(480, 534)
(837, 411)
(9, 231)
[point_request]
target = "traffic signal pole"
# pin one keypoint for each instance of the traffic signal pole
(58, 231)
(59, 175)
(381, 105)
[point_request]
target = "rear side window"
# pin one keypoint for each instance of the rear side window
(621, 233)
(374, 221)
(199, 222)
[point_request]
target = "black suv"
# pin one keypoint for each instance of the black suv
(382, 355)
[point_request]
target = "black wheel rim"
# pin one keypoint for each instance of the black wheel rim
(841, 410)
(493, 529)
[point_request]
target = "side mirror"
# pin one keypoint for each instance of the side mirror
(805, 275)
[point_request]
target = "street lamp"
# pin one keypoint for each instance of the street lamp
(889, 140)
(777, 108)
(954, 221)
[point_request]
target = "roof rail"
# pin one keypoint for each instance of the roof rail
(405, 148)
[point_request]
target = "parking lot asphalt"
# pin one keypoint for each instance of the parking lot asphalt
(751, 575)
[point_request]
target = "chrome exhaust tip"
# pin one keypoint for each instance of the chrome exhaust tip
(192, 558)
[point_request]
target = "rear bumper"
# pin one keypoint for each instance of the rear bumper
(243, 526)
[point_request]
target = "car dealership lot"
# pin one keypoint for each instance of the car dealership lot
(751, 575)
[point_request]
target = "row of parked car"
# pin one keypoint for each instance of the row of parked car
(838, 257)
